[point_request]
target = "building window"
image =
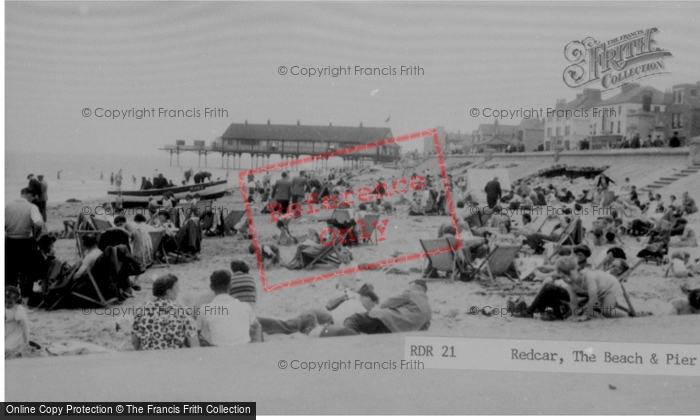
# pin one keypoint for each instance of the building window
(619, 110)
(612, 127)
(549, 131)
(693, 93)
(680, 120)
(594, 128)
(618, 127)
(558, 131)
(567, 130)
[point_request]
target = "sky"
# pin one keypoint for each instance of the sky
(64, 57)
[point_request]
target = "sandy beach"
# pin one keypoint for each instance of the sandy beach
(649, 291)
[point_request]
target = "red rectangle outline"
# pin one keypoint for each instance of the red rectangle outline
(249, 213)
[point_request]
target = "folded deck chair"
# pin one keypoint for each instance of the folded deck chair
(500, 260)
(623, 278)
(369, 222)
(443, 257)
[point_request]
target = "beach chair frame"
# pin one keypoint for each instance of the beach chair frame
(439, 261)
(327, 251)
(341, 215)
(157, 242)
(501, 252)
(368, 221)
(100, 301)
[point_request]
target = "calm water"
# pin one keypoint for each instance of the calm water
(80, 173)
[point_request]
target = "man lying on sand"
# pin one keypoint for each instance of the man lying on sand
(409, 311)
(336, 312)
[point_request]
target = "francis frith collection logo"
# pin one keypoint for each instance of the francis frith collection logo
(616, 62)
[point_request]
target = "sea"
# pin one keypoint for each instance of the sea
(86, 177)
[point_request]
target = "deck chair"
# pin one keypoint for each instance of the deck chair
(341, 216)
(74, 289)
(329, 254)
(79, 239)
(623, 278)
(101, 225)
(157, 241)
(203, 206)
(232, 219)
(442, 260)
(369, 222)
(566, 235)
(500, 260)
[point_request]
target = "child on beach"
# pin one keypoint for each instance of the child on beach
(16, 325)
(678, 265)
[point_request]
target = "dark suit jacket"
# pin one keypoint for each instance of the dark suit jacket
(298, 185)
(282, 189)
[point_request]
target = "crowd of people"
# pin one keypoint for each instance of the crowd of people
(573, 285)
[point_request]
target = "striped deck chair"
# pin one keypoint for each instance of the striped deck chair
(449, 261)
(500, 260)
(369, 222)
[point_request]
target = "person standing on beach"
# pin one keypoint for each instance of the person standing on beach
(299, 187)
(35, 188)
(23, 223)
(282, 192)
(493, 192)
(44, 196)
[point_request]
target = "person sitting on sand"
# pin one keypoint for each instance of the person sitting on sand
(227, 321)
(678, 265)
(689, 305)
(589, 289)
(16, 323)
(409, 311)
(270, 254)
(242, 283)
(688, 204)
(163, 323)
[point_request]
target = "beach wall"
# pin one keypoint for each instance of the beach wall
(643, 164)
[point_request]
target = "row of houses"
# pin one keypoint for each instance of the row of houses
(635, 111)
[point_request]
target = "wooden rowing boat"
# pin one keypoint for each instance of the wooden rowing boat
(207, 191)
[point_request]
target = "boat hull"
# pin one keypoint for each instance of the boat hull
(206, 191)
